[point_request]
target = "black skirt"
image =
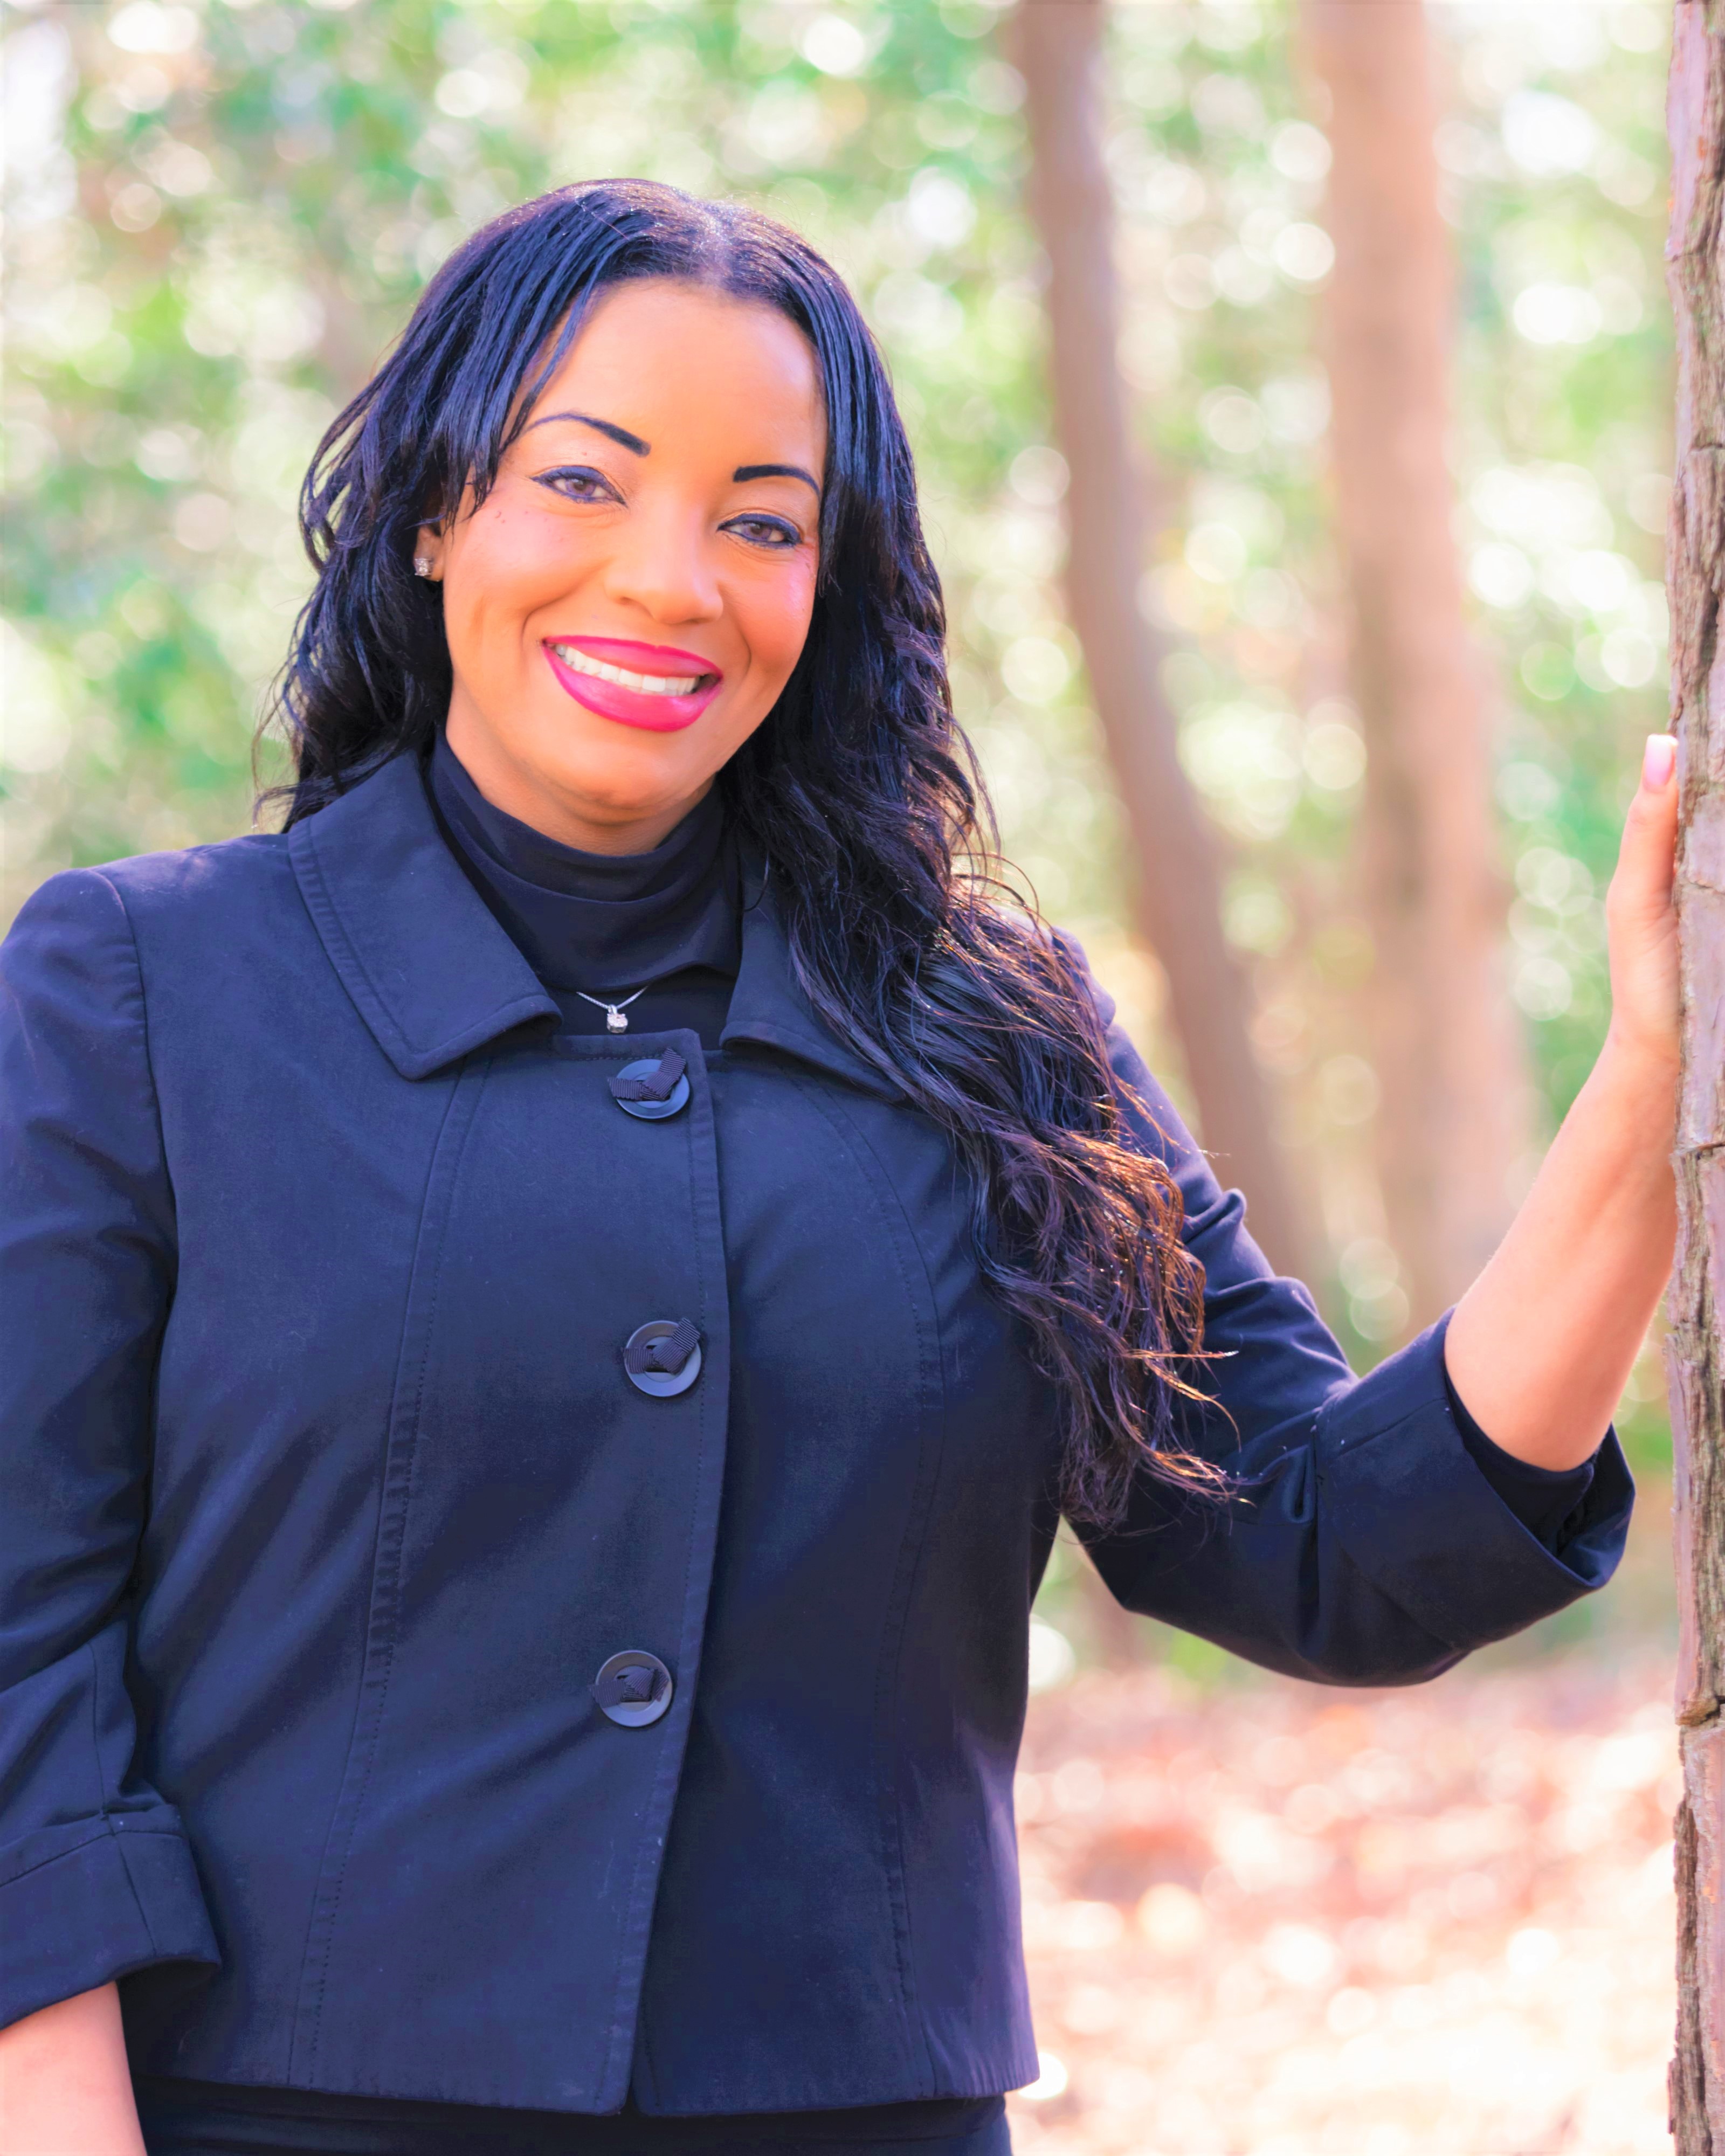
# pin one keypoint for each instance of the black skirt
(216, 2118)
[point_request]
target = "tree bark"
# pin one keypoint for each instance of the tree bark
(1178, 897)
(1456, 1113)
(1695, 1345)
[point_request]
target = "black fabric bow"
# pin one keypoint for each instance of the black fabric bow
(658, 1086)
(662, 1358)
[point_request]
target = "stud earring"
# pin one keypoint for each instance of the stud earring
(421, 565)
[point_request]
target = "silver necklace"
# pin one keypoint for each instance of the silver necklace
(615, 1021)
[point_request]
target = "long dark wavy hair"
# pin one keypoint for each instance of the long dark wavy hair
(858, 788)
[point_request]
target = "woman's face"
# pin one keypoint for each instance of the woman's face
(626, 604)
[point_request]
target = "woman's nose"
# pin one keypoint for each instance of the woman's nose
(662, 563)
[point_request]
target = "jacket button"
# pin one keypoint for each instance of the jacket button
(652, 1089)
(662, 1357)
(633, 1689)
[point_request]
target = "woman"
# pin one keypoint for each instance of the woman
(552, 1307)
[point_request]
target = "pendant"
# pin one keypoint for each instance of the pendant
(616, 1021)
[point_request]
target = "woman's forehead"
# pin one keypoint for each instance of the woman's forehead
(682, 359)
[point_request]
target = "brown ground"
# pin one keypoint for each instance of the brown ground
(1273, 1919)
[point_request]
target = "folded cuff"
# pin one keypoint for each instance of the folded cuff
(1403, 1495)
(93, 1901)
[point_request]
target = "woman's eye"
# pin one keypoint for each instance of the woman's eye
(765, 531)
(575, 483)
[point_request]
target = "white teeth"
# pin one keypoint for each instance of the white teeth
(644, 685)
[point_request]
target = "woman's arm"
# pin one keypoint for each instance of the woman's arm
(65, 2086)
(97, 1878)
(1363, 1543)
(1540, 1347)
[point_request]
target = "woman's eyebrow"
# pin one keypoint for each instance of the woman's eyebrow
(620, 435)
(773, 471)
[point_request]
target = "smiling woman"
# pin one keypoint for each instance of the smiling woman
(549, 1310)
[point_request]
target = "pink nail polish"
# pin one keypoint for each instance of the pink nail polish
(1659, 761)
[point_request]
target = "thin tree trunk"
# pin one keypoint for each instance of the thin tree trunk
(1695, 1348)
(1456, 1098)
(1179, 886)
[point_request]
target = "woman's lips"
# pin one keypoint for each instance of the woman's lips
(610, 676)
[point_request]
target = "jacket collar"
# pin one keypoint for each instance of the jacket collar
(434, 976)
(428, 969)
(768, 1007)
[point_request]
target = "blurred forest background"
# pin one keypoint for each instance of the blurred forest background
(1438, 1924)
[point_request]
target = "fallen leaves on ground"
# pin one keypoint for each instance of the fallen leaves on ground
(1279, 1921)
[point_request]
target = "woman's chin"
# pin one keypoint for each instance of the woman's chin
(615, 793)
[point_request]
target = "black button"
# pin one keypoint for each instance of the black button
(653, 1089)
(633, 1689)
(662, 1357)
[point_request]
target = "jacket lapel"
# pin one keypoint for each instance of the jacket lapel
(429, 971)
(769, 1006)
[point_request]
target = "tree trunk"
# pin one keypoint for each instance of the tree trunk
(1456, 1096)
(1695, 1348)
(1179, 883)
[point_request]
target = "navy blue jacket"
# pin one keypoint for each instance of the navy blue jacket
(326, 1493)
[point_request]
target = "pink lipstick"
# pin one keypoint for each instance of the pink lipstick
(652, 686)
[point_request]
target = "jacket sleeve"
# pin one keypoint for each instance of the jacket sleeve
(1366, 1545)
(96, 1877)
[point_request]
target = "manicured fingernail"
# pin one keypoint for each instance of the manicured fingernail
(1659, 762)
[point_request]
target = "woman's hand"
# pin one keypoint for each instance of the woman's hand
(65, 2088)
(1641, 920)
(1542, 1344)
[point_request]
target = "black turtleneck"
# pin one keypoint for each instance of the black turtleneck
(667, 922)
